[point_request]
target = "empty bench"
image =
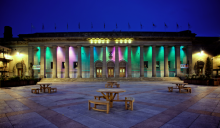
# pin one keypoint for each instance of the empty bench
(129, 100)
(99, 102)
(35, 90)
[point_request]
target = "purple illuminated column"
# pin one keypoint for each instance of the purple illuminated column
(54, 61)
(79, 70)
(129, 61)
(91, 62)
(141, 61)
(104, 62)
(153, 61)
(116, 62)
(166, 71)
(189, 58)
(42, 61)
(177, 60)
(67, 61)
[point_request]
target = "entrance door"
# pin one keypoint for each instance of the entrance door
(200, 70)
(110, 72)
(98, 72)
(122, 72)
(20, 72)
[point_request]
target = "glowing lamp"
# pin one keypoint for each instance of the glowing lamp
(125, 41)
(129, 41)
(99, 41)
(91, 41)
(103, 41)
(121, 41)
(116, 41)
(95, 41)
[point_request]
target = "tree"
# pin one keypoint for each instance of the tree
(208, 68)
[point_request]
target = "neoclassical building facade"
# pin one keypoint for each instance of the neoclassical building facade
(102, 54)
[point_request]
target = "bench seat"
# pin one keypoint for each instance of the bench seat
(35, 90)
(130, 105)
(99, 102)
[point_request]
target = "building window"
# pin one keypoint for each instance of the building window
(63, 64)
(146, 64)
(168, 64)
(75, 64)
(51, 65)
(157, 64)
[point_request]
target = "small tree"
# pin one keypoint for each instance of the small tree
(208, 68)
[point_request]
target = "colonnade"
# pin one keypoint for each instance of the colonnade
(104, 66)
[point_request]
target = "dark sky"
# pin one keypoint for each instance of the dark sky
(202, 15)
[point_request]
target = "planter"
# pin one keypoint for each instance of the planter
(189, 81)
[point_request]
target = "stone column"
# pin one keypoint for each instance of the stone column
(91, 62)
(153, 61)
(189, 58)
(166, 68)
(79, 70)
(141, 61)
(30, 60)
(177, 60)
(104, 62)
(116, 62)
(42, 62)
(129, 61)
(67, 61)
(54, 61)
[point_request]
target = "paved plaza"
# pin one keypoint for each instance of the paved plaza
(154, 107)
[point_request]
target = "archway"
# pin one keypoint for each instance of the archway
(122, 68)
(19, 69)
(110, 68)
(98, 68)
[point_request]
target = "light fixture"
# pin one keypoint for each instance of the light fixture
(129, 41)
(91, 41)
(99, 41)
(103, 41)
(125, 41)
(121, 41)
(116, 41)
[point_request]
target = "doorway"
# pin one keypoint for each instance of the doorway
(200, 70)
(122, 72)
(110, 72)
(20, 72)
(98, 72)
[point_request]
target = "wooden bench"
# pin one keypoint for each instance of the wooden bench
(99, 102)
(51, 89)
(108, 85)
(35, 90)
(170, 89)
(188, 89)
(99, 97)
(130, 100)
(117, 85)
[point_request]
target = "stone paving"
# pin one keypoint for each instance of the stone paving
(154, 107)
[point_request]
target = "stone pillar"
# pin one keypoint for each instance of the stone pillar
(189, 58)
(42, 62)
(30, 60)
(177, 60)
(54, 61)
(116, 62)
(67, 61)
(153, 61)
(91, 62)
(104, 62)
(129, 61)
(166, 68)
(79, 70)
(141, 61)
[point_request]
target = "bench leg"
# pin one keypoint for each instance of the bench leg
(179, 90)
(94, 105)
(126, 105)
(89, 106)
(107, 111)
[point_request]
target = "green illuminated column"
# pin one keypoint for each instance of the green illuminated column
(30, 59)
(129, 61)
(177, 60)
(79, 72)
(67, 61)
(166, 71)
(54, 61)
(153, 61)
(42, 61)
(141, 61)
(116, 62)
(104, 62)
(91, 62)
(189, 58)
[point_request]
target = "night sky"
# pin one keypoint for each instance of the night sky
(203, 16)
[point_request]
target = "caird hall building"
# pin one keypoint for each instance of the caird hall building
(101, 55)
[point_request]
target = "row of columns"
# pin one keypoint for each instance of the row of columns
(79, 74)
